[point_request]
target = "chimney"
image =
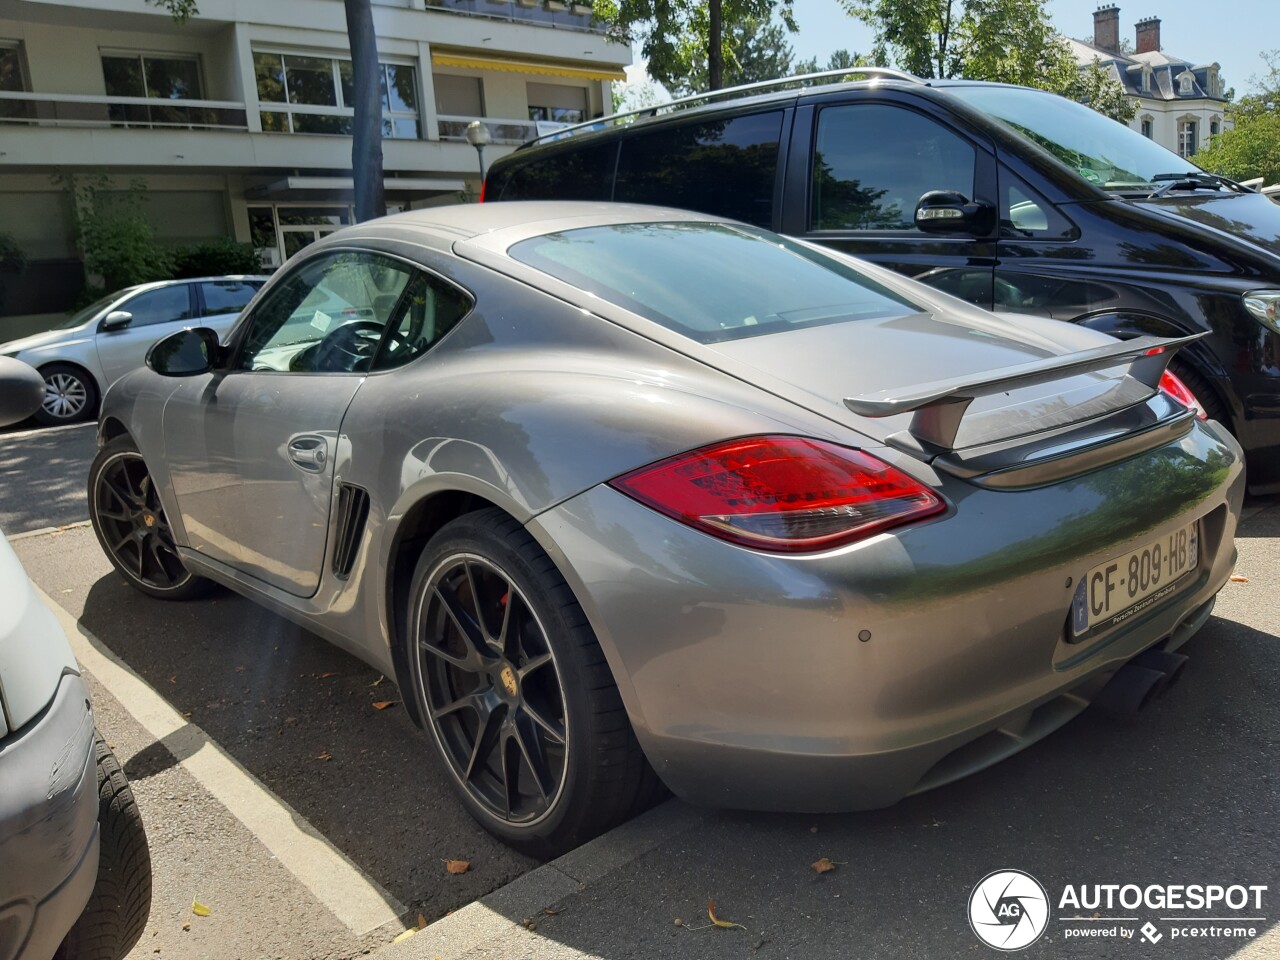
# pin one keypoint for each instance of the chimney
(1147, 35)
(1106, 28)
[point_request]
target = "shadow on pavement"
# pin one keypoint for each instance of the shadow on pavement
(280, 700)
(42, 477)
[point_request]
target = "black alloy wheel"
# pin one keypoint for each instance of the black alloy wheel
(130, 522)
(509, 678)
(495, 696)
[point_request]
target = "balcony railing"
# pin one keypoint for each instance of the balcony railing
(556, 13)
(84, 110)
(501, 131)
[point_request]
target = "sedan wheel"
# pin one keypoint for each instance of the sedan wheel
(127, 516)
(510, 680)
(69, 395)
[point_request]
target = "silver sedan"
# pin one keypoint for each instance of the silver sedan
(627, 499)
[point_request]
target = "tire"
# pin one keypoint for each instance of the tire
(558, 684)
(117, 911)
(70, 395)
(129, 521)
(1208, 398)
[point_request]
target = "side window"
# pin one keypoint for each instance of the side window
(164, 305)
(327, 315)
(227, 296)
(723, 167)
(873, 162)
(574, 173)
(1025, 215)
(429, 309)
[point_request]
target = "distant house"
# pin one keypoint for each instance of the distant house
(1180, 104)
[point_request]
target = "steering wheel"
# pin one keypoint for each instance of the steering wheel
(347, 348)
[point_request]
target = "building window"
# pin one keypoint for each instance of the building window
(1187, 138)
(557, 103)
(1215, 128)
(11, 79)
(1184, 83)
(153, 77)
(310, 94)
(1148, 129)
(458, 96)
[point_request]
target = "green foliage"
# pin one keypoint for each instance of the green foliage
(180, 10)
(839, 60)
(115, 237)
(753, 50)
(1095, 87)
(637, 96)
(672, 33)
(215, 258)
(12, 258)
(1252, 148)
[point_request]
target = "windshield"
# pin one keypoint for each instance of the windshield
(87, 314)
(1098, 148)
(710, 281)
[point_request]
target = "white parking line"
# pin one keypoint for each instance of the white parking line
(351, 895)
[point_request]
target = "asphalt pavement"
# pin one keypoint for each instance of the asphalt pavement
(1185, 794)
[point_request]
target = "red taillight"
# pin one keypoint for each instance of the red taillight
(1178, 390)
(786, 494)
(484, 184)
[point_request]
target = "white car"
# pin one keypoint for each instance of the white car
(96, 346)
(75, 870)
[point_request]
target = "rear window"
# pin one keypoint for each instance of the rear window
(725, 167)
(709, 281)
(582, 173)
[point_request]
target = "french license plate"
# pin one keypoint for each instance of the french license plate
(1114, 591)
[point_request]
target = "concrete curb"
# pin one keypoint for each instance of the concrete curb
(46, 531)
(492, 925)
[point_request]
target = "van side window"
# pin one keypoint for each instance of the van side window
(872, 163)
(575, 172)
(725, 167)
(1025, 215)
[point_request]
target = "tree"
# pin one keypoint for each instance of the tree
(366, 133)
(663, 29)
(1006, 41)
(1252, 148)
(839, 60)
(753, 50)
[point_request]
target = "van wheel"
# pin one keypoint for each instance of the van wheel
(514, 688)
(117, 911)
(1204, 393)
(70, 395)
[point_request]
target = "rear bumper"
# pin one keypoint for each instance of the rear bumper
(749, 682)
(48, 825)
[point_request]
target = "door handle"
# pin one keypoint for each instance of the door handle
(310, 453)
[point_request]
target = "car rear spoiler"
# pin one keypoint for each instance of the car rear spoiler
(941, 405)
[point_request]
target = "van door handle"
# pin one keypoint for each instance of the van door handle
(309, 452)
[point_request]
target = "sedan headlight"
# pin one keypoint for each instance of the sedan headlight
(1265, 305)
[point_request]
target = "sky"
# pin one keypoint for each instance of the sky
(1230, 34)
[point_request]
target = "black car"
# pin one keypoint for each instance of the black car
(1011, 198)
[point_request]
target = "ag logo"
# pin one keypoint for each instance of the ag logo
(1008, 910)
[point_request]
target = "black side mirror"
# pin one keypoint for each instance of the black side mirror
(21, 391)
(116, 320)
(185, 353)
(945, 211)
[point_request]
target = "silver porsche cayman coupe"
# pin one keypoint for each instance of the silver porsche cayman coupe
(625, 498)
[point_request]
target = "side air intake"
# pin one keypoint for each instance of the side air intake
(353, 511)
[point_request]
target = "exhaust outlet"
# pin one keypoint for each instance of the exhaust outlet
(1170, 664)
(1131, 689)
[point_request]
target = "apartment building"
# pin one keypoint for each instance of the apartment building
(1181, 104)
(236, 122)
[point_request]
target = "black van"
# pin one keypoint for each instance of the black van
(1011, 198)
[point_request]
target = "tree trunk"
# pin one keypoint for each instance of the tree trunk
(366, 131)
(715, 47)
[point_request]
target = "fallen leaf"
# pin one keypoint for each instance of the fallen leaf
(422, 921)
(240, 669)
(324, 756)
(378, 681)
(679, 922)
(723, 924)
(383, 704)
(199, 909)
(326, 676)
(173, 679)
(529, 923)
(551, 911)
(405, 935)
(822, 865)
(457, 866)
(1236, 578)
(813, 829)
(187, 925)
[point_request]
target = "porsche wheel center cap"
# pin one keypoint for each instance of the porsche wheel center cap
(508, 678)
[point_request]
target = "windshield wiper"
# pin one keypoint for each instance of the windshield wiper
(1193, 180)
